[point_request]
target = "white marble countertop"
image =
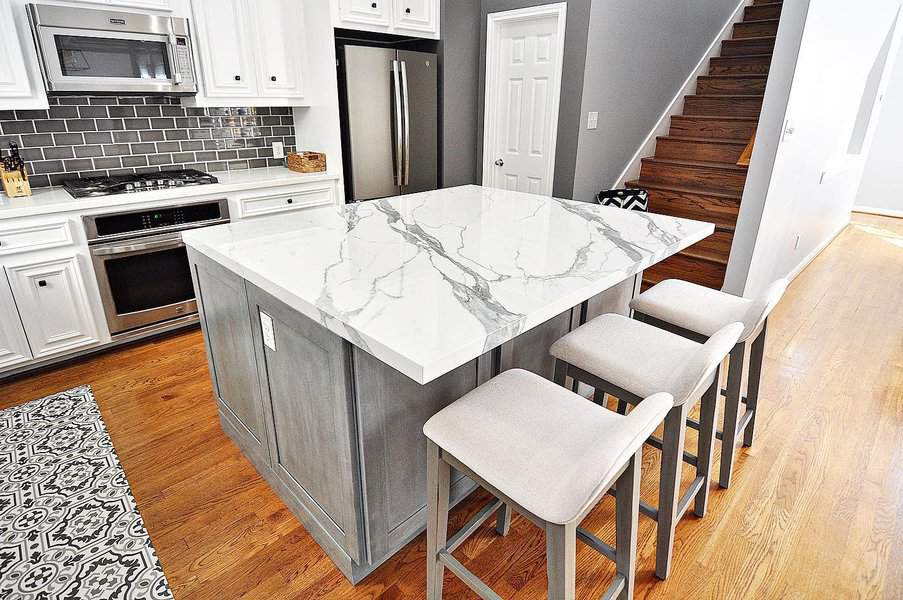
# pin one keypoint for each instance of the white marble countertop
(55, 199)
(429, 281)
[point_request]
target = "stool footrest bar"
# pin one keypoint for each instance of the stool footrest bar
(596, 544)
(689, 495)
(472, 581)
(688, 458)
(616, 587)
(646, 509)
(471, 526)
(744, 422)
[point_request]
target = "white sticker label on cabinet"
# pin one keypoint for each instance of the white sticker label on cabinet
(269, 333)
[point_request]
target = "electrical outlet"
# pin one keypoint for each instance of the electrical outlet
(592, 120)
(268, 331)
(278, 150)
(796, 244)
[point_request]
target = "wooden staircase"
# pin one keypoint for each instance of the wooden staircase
(695, 172)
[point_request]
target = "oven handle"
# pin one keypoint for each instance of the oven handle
(168, 242)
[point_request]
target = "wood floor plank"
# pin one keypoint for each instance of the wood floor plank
(816, 510)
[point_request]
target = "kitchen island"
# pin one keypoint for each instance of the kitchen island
(333, 336)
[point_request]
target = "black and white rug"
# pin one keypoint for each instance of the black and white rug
(69, 526)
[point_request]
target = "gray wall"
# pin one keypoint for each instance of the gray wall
(638, 56)
(460, 109)
(571, 84)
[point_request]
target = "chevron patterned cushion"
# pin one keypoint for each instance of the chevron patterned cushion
(630, 199)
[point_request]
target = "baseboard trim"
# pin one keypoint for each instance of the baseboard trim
(814, 254)
(884, 212)
(675, 107)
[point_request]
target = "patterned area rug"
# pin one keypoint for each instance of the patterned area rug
(69, 527)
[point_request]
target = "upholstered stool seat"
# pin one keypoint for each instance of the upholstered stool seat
(550, 455)
(697, 312)
(629, 360)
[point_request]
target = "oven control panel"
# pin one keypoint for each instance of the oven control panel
(131, 224)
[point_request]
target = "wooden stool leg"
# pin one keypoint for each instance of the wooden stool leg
(706, 448)
(756, 357)
(669, 487)
(627, 511)
(561, 556)
(437, 492)
(731, 413)
(503, 520)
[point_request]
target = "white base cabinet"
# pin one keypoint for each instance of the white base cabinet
(417, 18)
(53, 304)
(14, 348)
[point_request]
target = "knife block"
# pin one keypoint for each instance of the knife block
(14, 183)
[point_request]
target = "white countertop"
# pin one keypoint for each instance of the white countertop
(56, 199)
(429, 281)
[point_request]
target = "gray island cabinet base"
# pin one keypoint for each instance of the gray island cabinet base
(334, 431)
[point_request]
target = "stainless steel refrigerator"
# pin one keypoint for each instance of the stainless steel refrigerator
(390, 120)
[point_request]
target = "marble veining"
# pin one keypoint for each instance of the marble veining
(428, 281)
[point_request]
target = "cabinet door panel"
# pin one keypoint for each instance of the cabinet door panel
(13, 343)
(14, 80)
(226, 321)
(417, 15)
(365, 12)
(227, 60)
(53, 304)
(281, 48)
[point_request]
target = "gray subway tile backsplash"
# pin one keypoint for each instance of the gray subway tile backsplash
(86, 136)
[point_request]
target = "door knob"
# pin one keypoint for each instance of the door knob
(499, 162)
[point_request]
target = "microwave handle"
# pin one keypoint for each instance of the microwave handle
(171, 50)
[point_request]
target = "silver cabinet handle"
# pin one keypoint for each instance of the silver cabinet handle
(499, 162)
(398, 124)
(407, 124)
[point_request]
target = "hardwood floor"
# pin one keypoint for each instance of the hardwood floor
(816, 510)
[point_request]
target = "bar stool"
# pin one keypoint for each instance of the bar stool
(632, 360)
(551, 456)
(697, 312)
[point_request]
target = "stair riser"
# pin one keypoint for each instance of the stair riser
(757, 13)
(706, 178)
(689, 269)
(706, 151)
(715, 128)
(739, 65)
(722, 107)
(714, 209)
(755, 29)
(746, 47)
(718, 86)
(718, 244)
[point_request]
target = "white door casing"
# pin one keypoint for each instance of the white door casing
(524, 62)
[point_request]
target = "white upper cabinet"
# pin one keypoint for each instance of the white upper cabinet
(21, 85)
(250, 51)
(13, 343)
(281, 51)
(53, 304)
(224, 48)
(418, 18)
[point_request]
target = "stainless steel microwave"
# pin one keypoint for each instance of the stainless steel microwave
(101, 51)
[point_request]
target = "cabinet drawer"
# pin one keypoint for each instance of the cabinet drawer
(295, 199)
(34, 237)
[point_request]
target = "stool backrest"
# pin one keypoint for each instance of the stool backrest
(690, 380)
(762, 306)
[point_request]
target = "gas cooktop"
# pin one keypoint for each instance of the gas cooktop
(127, 184)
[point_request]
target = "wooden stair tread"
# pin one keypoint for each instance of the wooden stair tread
(755, 38)
(639, 183)
(742, 56)
(704, 140)
(718, 118)
(756, 76)
(703, 164)
(758, 21)
(700, 254)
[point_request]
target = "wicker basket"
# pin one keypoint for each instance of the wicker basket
(306, 162)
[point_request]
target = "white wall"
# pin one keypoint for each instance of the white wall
(789, 213)
(881, 189)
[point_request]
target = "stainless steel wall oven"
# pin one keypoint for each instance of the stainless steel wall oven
(142, 265)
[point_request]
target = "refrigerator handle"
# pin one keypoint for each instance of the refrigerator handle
(407, 124)
(399, 150)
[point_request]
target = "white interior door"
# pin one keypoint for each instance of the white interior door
(524, 51)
